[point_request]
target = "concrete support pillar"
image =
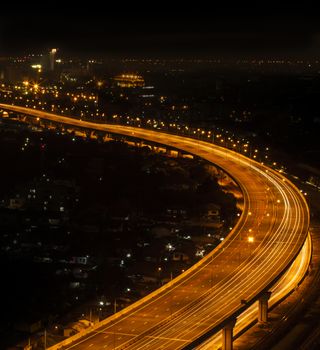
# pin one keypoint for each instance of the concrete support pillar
(100, 136)
(138, 144)
(44, 124)
(263, 307)
(227, 335)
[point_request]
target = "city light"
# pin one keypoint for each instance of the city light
(36, 66)
(122, 172)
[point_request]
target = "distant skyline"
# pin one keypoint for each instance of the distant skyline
(185, 34)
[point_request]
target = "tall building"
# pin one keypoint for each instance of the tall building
(52, 56)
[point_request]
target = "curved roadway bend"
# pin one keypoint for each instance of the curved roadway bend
(281, 289)
(201, 299)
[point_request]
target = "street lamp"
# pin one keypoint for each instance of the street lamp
(114, 328)
(115, 306)
(159, 269)
(250, 240)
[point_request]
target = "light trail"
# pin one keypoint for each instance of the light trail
(281, 289)
(201, 299)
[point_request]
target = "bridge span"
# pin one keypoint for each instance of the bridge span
(242, 270)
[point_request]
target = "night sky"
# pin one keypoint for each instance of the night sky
(246, 31)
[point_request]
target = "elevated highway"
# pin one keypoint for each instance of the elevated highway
(243, 269)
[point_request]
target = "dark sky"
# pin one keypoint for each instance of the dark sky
(236, 32)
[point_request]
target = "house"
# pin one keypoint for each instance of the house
(16, 203)
(29, 326)
(82, 260)
(212, 211)
(178, 256)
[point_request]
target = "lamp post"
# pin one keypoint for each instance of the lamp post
(115, 306)
(114, 326)
(250, 241)
(159, 269)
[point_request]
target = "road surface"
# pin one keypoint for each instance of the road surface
(275, 215)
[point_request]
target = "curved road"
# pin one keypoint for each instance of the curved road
(204, 297)
(281, 289)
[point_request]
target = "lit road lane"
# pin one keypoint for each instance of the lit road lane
(286, 223)
(282, 288)
(157, 345)
(202, 317)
